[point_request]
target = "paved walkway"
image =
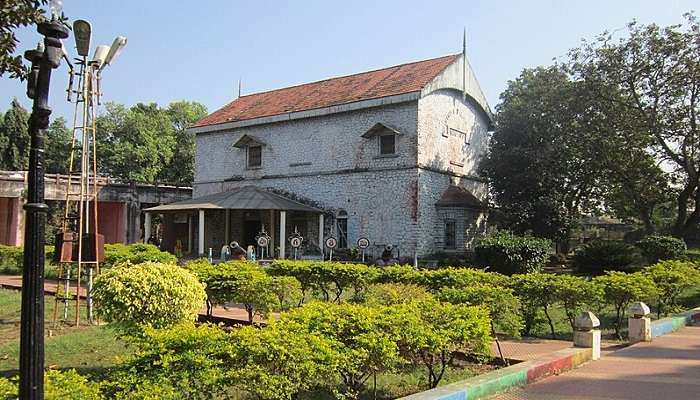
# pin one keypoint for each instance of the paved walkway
(667, 368)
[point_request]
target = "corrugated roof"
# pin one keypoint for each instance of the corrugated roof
(243, 198)
(457, 196)
(399, 79)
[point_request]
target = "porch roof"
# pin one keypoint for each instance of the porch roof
(243, 198)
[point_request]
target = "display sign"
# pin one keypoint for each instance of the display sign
(263, 241)
(331, 242)
(295, 242)
(363, 243)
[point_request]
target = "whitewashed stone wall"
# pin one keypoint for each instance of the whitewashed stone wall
(309, 146)
(448, 157)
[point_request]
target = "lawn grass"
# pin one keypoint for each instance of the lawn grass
(88, 349)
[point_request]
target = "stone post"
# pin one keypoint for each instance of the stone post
(639, 323)
(586, 334)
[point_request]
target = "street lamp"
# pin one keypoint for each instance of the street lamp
(44, 59)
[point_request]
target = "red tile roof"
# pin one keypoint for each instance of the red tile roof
(384, 82)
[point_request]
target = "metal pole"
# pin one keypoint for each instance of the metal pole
(31, 353)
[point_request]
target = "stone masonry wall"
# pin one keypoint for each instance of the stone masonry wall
(309, 146)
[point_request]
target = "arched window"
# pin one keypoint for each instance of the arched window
(342, 228)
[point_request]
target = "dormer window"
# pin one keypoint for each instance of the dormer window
(254, 156)
(253, 150)
(387, 144)
(386, 138)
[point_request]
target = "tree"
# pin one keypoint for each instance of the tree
(183, 114)
(15, 135)
(13, 15)
(541, 168)
(647, 83)
(57, 147)
(137, 143)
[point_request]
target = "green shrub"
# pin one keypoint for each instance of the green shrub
(575, 294)
(135, 253)
(386, 294)
(655, 248)
(510, 254)
(149, 293)
(366, 343)
(248, 284)
(606, 255)
(692, 255)
(58, 385)
(437, 279)
(183, 359)
(400, 274)
(12, 260)
(621, 289)
(537, 292)
(671, 278)
(503, 306)
(431, 333)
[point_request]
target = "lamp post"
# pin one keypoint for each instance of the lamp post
(45, 58)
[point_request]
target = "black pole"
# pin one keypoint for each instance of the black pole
(31, 353)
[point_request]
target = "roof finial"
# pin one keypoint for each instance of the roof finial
(239, 87)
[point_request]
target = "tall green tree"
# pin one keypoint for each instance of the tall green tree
(15, 137)
(135, 144)
(183, 114)
(541, 167)
(57, 147)
(13, 15)
(650, 78)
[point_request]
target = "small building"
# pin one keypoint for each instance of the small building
(389, 155)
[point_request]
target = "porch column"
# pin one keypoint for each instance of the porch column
(200, 241)
(320, 233)
(283, 234)
(227, 226)
(147, 227)
(271, 246)
(190, 233)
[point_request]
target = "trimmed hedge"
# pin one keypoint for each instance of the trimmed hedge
(657, 248)
(599, 256)
(509, 254)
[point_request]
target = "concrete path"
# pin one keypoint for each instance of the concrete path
(667, 368)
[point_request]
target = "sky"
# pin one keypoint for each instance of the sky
(198, 50)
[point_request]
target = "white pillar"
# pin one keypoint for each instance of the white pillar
(639, 324)
(320, 233)
(586, 335)
(271, 246)
(227, 226)
(283, 233)
(190, 234)
(200, 242)
(147, 227)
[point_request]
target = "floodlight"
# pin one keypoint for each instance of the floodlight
(55, 8)
(101, 53)
(82, 31)
(115, 50)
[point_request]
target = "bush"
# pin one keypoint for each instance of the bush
(387, 294)
(510, 254)
(246, 283)
(537, 292)
(503, 306)
(656, 248)
(58, 385)
(149, 293)
(135, 253)
(605, 255)
(621, 289)
(437, 279)
(330, 278)
(574, 294)
(182, 359)
(400, 274)
(671, 278)
(431, 333)
(366, 343)
(12, 260)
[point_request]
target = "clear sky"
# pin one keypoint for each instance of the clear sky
(198, 50)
